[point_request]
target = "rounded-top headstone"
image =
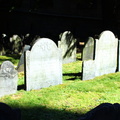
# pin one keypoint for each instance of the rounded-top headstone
(43, 65)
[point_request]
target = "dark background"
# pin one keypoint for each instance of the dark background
(49, 18)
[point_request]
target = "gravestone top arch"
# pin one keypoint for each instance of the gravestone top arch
(43, 67)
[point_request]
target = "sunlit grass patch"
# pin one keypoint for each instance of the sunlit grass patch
(13, 58)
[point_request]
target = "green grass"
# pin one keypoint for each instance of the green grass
(68, 100)
(13, 58)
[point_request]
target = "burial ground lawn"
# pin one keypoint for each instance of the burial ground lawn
(66, 101)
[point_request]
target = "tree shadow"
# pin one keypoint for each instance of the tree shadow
(79, 59)
(21, 87)
(44, 113)
(69, 51)
(73, 76)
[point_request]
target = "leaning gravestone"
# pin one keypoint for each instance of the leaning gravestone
(105, 57)
(68, 45)
(8, 79)
(20, 67)
(43, 67)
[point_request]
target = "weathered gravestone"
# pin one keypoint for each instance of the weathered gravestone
(105, 57)
(20, 67)
(68, 45)
(17, 43)
(8, 79)
(88, 50)
(106, 53)
(43, 67)
(88, 55)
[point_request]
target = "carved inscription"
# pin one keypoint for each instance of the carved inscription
(44, 47)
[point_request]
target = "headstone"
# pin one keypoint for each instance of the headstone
(20, 67)
(8, 79)
(88, 56)
(88, 71)
(105, 57)
(17, 43)
(43, 67)
(68, 45)
(106, 53)
(88, 51)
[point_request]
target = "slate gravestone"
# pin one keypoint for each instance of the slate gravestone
(20, 67)
(8, 79)
(88, 65)
(105, 57)
(88, 51)
(43, 67)
(68, 45)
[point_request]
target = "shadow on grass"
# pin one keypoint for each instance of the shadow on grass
(79, 59)
(21, 87)
(43, 113)
(15, 56)
(73, 76)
